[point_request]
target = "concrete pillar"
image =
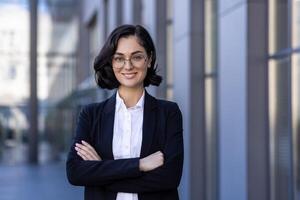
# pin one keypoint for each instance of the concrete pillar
(33, 104)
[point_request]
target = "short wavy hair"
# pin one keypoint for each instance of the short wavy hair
(104, 75)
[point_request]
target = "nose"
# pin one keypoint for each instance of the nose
(127, 64)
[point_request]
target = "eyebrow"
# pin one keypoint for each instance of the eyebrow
(135, 52)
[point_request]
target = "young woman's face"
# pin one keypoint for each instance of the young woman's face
(130, 62)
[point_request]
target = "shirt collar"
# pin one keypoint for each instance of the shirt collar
(120, 102)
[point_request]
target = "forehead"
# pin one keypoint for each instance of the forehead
(128, 45)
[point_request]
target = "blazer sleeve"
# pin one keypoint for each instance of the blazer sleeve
(95, 173)
(166, 177)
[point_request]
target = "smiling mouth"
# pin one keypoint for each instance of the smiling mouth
(129, 75)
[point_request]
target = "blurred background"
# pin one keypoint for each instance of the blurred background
(233, 66)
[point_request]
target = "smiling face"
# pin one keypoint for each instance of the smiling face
(130, 63)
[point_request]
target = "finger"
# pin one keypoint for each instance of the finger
(158, 154)
(91, 150)
(84, 152)
(87, 152)
(84, 148)
(81, 155)
(89, 146)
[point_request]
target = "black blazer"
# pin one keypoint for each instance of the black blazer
(162, 130)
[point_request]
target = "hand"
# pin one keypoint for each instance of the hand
(152, 161)
(86, 151)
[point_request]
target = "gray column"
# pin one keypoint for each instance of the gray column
(33, 105)
(281, 179)
(137, 11)
(119, 12)
(257, 101)
(83, 47)
(197, 101)
(161, 45)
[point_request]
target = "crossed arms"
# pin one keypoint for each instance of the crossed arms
(156, 172)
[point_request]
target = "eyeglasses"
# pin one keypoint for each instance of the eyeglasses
(137, 60)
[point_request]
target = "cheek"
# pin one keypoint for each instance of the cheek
(117, 75)
(144, 73)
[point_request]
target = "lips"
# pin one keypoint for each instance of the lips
(129, 75)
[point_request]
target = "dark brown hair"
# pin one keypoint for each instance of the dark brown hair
(104, 75)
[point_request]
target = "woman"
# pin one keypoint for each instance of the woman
(130, 146)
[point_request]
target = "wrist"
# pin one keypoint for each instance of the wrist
(141, 165)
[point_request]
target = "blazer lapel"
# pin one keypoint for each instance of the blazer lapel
(149, 122)
(107, 127)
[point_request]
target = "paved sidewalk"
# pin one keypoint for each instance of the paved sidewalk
(45, 182)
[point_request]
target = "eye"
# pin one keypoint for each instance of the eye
(119, 59)
(137, 57)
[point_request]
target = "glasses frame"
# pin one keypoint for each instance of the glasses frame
(129, 60)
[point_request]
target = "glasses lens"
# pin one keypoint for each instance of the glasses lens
(137, 60)
(118, 61)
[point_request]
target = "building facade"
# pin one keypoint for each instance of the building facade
(233, 68)
(14, 65)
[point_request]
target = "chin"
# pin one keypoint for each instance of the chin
(131, 85)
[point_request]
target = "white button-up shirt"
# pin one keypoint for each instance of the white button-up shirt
(127, 138)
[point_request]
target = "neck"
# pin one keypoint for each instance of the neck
(130, 96)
